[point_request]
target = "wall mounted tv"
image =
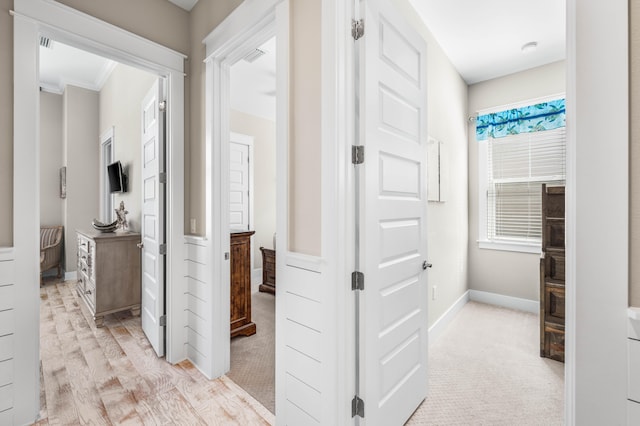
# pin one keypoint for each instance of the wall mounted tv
(117, 178)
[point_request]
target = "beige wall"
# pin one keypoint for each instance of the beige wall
(120, 108)
(507, 273)
(634, 153)
(446, 222)
(304, 128)
(263, 132)
(157, 20)
(6, 123)
(204, 17)
(51, 157)
(80, 151)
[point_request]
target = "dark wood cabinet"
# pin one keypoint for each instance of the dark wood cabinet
(268, 271)
(552, 273)
(240, 257)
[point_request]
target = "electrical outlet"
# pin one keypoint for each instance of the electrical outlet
(193, 225)
(434, 292)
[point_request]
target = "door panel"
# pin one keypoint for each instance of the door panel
(152, 224)
(393, 235)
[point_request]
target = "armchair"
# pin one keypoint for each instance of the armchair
(50, 249)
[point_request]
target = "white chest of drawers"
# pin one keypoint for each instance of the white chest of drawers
(109, 272)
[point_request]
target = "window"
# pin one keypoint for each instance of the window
(513, 168)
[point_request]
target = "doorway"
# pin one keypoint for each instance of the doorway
(66, 25)
(252, 207)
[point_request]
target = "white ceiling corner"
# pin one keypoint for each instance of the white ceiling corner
(185, 4)
(63, 65)
(483, 39)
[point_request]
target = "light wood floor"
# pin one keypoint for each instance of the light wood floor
(111, 375)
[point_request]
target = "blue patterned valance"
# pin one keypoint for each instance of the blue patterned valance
(532, 118)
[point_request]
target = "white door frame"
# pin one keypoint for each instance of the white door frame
(31, 19)
(250, 25)
(107, 137)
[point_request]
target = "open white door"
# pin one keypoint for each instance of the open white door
(152, 223)
(393, 240)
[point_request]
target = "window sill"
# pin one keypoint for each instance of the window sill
(510, 246)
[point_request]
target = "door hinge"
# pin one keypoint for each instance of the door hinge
(163, 249)
(162, 176)
(163, 321)
(357, 280)
(357, 154)
(357, 407)
(357, 28)
(162, 106)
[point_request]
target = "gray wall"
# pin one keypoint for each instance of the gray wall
(507, 273)
(81, 153)
(51, 157)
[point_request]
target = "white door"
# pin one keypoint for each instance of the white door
(393, 240)
(239, 182)
(152, 223)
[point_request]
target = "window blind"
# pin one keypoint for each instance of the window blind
(518, 165)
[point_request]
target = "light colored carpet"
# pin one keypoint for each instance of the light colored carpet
(253, 357)
(486, 370)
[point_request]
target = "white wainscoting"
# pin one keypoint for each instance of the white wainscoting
(633, 369)
(7, 330)
(300, 350)
(198, 311)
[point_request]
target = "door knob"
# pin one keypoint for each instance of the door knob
(140, 245)
(426, 265)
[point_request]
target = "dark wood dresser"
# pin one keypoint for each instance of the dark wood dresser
(241, 324)
(268, 271)
(552, 278)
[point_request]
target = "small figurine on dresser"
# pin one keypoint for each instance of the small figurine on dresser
(121, 213)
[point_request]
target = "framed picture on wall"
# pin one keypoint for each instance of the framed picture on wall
(63, 182)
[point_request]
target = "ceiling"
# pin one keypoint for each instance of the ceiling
(61, 64)
(483, 40)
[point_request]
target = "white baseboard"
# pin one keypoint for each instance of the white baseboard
(517, 303)
(256, 279)
(436, 330)
(70, 276)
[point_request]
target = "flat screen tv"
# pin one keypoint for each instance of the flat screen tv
(117, 178)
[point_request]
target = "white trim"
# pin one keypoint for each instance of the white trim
(33, 18)
(510, 246)
(195, 239)
(338, 215)
(71, 276)
(570, 223)
(6, 254)
(597, 263)
(249, 25)
(521, 104)
(438, 327)
(303, 261)
(517, 303)
(256, 279)
(107, 137)
(105, 73)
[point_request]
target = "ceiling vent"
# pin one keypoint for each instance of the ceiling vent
(46, 42)
(253, 55)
